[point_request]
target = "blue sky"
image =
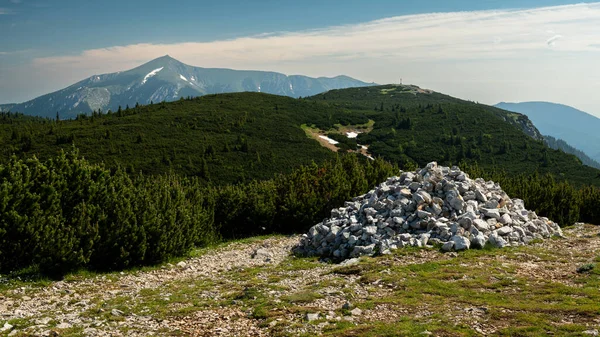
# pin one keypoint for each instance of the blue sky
(46, 45)
(65, 26)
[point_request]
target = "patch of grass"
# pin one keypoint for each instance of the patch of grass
(294, 263)
(27, 277)
(405, 326)
(586, 268)
(303, 297)
(260, 312)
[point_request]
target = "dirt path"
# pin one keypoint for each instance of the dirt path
(70, 306)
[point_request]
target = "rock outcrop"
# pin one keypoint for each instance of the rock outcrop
(435, 205)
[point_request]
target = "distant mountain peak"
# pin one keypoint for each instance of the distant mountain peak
(166, 79)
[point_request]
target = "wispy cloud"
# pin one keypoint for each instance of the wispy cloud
(461, 35)
(551, 42)
(16, 1)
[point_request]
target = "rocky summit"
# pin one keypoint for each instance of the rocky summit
(435, 205)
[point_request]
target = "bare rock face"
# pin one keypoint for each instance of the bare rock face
(433, 205)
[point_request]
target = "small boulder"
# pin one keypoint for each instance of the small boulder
(6, 327)
(312, 316)
(262, 254)
(448, 246)
(356, 312)
(460, 242)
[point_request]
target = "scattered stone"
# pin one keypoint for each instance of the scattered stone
(312, 316)
(350, 262)
(116, 312)
(64, 326)
(6, 327)
(356, 312)
(90, 331)
(181, 264)
(434, 205)
(591, 332)
(265, 255)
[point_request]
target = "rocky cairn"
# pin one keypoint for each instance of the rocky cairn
(435, 205)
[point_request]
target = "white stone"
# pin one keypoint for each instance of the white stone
(461, 242)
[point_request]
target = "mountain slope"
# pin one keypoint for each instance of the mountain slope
(6, 107)
(576, 127)
(166, 79)
(237, 136)
(223, 138)
(416, 126)
(559, 144)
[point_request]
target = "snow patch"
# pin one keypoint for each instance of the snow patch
(259, 88)
(193, 78)
(291, 87)
(183, 78)
(329, 140)
(352, 134)
(150, 74)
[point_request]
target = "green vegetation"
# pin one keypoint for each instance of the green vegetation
(64, 213)
(586, 268)
(221, 139)
(159, 179)
(424, 127)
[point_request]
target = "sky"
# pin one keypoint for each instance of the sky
(487, 50)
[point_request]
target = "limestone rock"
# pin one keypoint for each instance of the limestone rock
(434, 205)
(312, 316)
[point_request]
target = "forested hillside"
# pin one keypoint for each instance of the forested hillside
(220, 138)
(233, 137)
(418, 126)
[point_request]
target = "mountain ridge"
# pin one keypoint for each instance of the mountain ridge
(167, 79)
(576, 127)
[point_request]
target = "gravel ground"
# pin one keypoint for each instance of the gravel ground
(116, 304)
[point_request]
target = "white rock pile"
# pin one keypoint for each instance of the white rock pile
(434, 205)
